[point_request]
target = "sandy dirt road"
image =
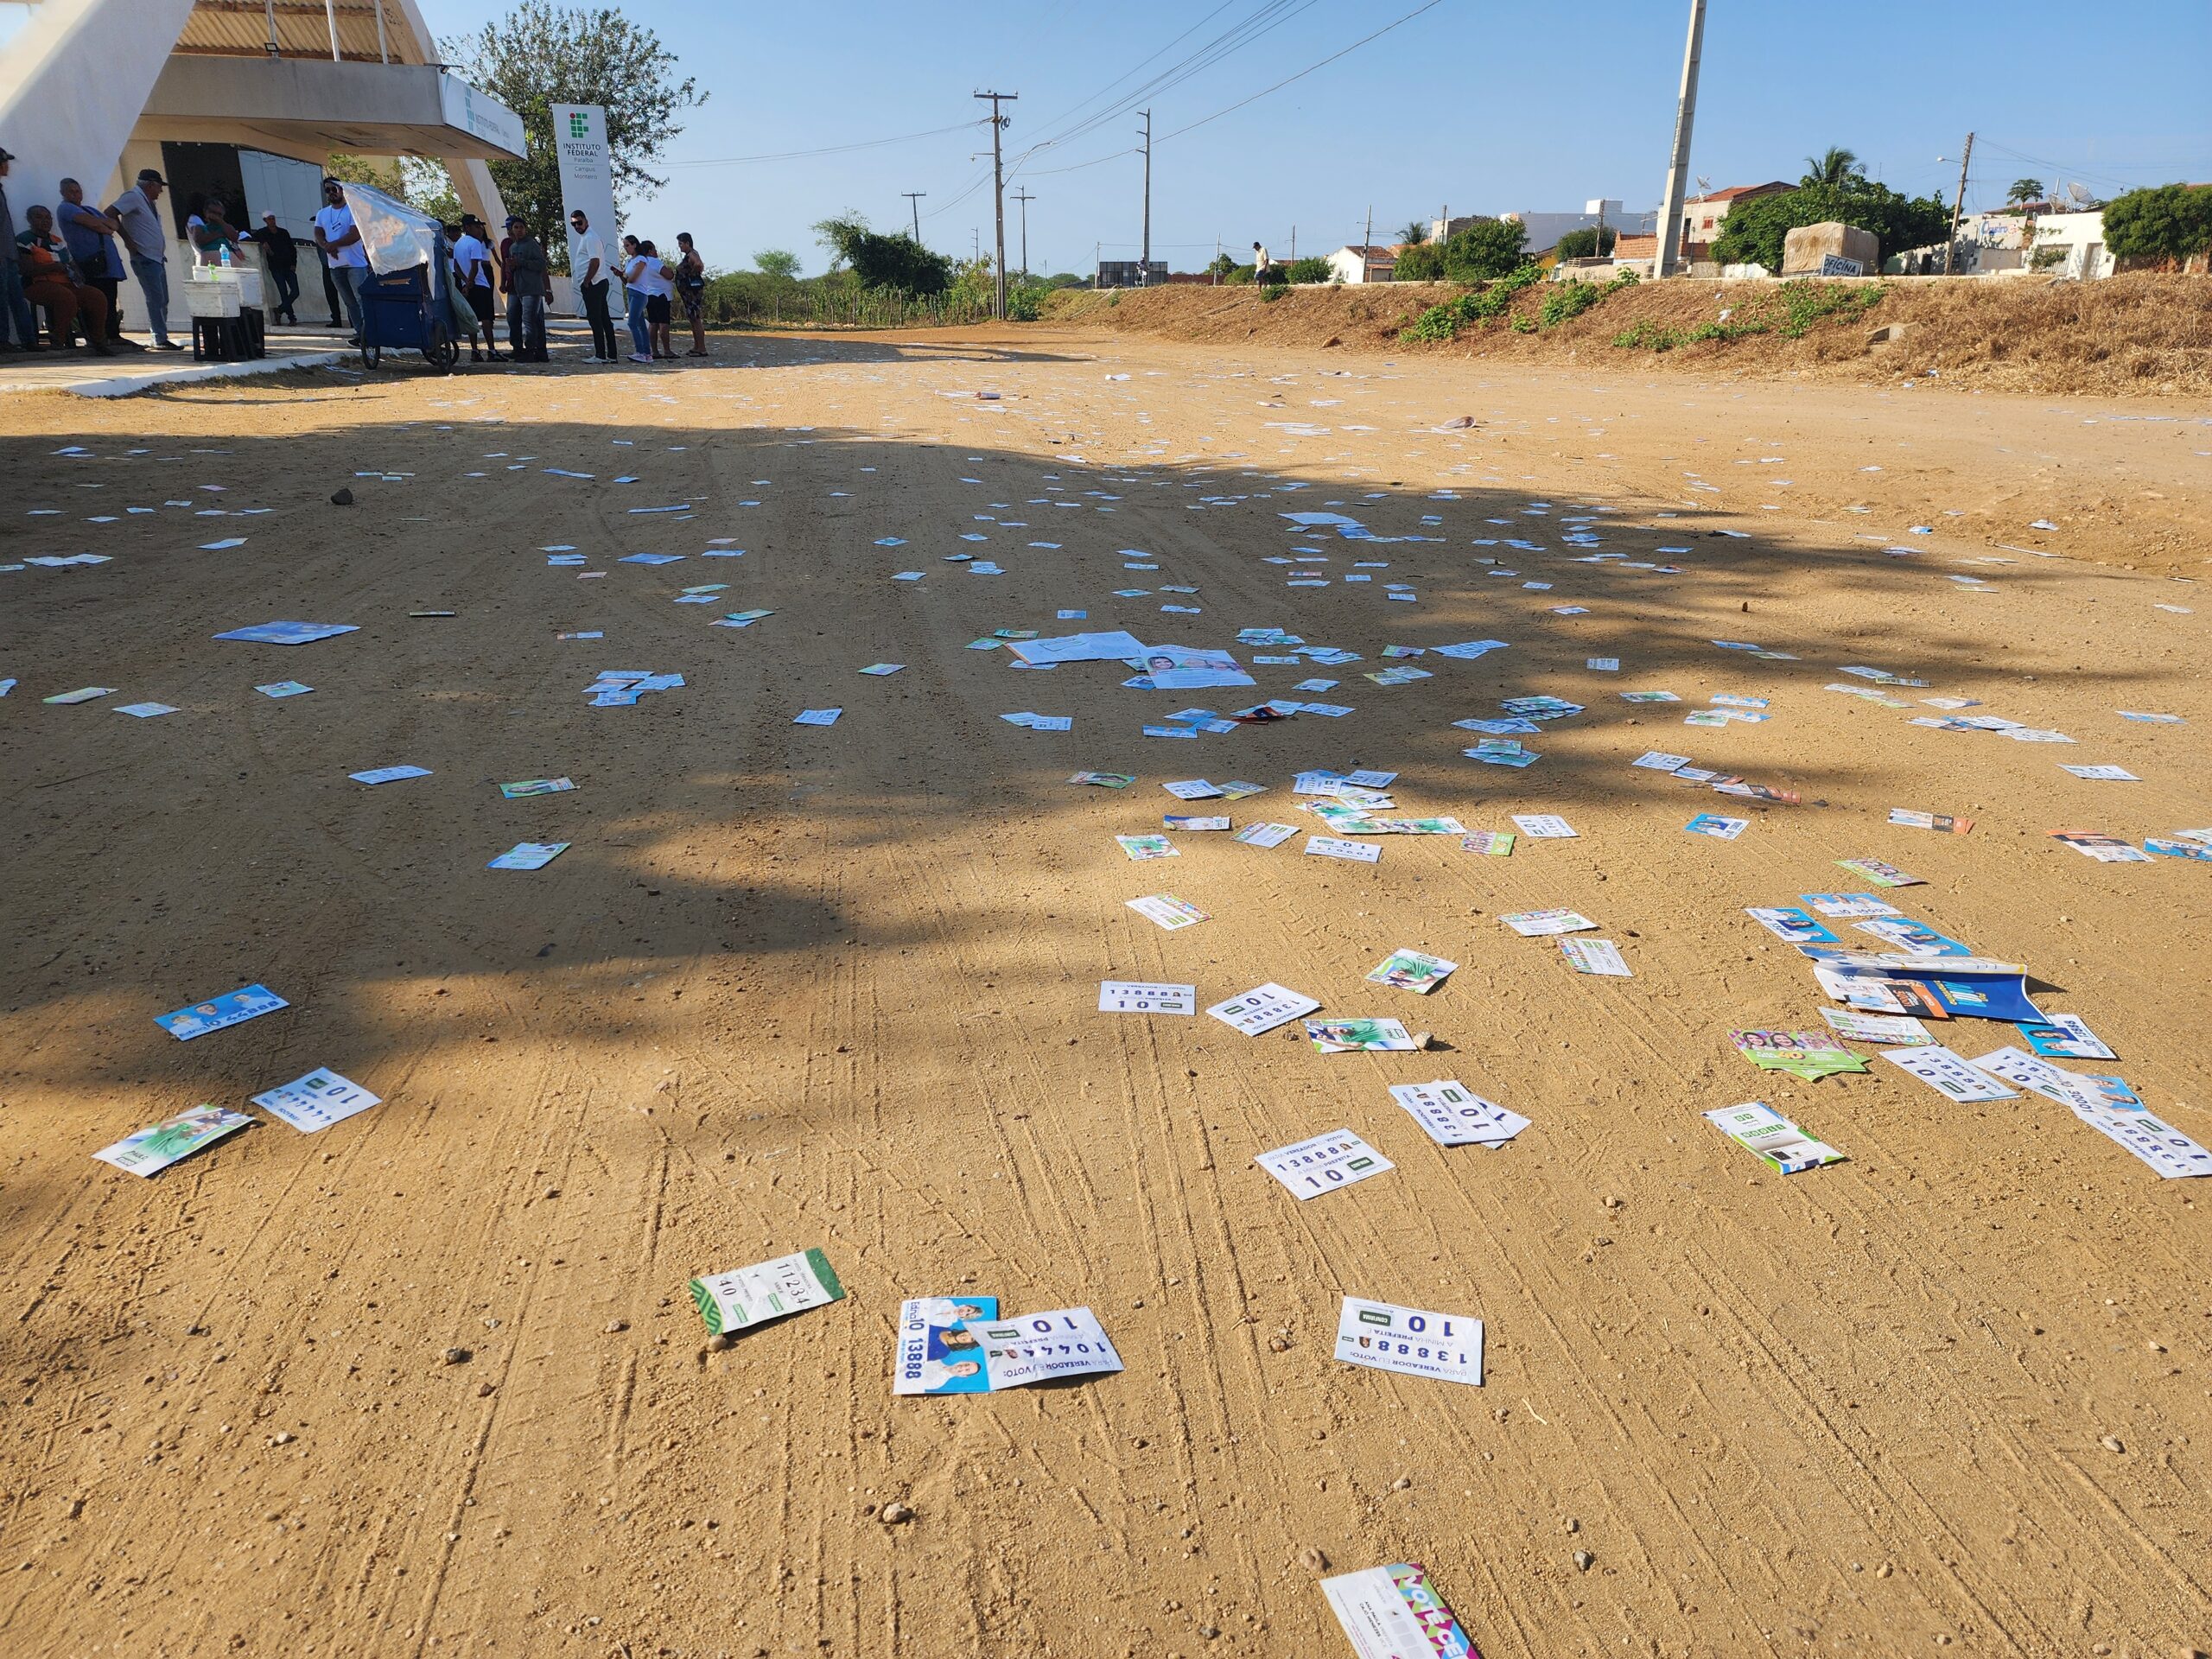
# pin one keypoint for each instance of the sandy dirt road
(835, 987)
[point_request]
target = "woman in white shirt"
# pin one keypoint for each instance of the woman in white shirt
(634, 263)
(660, 289)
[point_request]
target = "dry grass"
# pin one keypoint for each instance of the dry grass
(2135, 335)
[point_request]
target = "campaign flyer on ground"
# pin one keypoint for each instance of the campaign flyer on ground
(231, 1008)
(1390, 1612)
(744, 1297)
(1410, 1340)
(153, 1149)
(940, 1346)
(1041, 1347)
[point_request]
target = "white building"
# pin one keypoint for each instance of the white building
(1357, 264)
(239, 100)
(1544, 230)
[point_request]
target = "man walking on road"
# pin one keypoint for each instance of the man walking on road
(140, 227)
(588, 262)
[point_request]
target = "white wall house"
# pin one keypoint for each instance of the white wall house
(1357, 264)
(247, 101)
(1544, 230)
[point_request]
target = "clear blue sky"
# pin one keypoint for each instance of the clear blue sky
(1484, 106)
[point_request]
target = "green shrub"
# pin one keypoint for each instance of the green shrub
(1308, 271)
(1422, 263)
(1583, 245)
(1488, 249)
(1237, 274)
(1271, 291)
(1789, 311)
(2169, 222)
(1566, 302)
(1753, 232)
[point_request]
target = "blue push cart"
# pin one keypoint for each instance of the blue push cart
(408, 311)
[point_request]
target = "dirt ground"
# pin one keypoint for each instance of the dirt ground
(799, 987)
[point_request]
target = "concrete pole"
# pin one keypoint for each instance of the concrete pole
(1951, 248)
(1678, 170)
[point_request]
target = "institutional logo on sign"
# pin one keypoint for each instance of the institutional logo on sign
(578, 126)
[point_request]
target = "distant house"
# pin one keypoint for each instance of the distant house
(1703, 216)
(1443, 230)
(1131, 273)
(1544, 230)
(1362, 264)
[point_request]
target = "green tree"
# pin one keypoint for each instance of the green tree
(1583, 245)
(1063, 279)
(895, 261)
(2025, 190)
(1753, 231)
(1222, 265)
(540, 55)
(1307, 271)
(777, 262)
(1487, 249)
(2169, 222)
(1423, 262)
(1416, 231)
(359, 169)
(1833, 166)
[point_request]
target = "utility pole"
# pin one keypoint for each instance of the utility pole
(1144, 254)
(914, 201)
(1215, 268)
(1678, 168)
(1951, 248)
(998, 195)
(1293, 245)
(1025, 198)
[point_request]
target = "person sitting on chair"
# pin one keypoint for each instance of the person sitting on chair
(51, 279)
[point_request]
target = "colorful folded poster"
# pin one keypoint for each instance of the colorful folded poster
(1811, 1055)
(2105, 849)
(529, 786)
(288, 633)
(1266, 835)
(1881, 875)
(1595, 957)
(1039, 1347)
(1780, 1144)
(1534, 924)
(529, 855)
(1494, 843)
(1931, 821)
(1720, 828)
(1793, 925)
(151, 1150)
(1176, 821)
(1139, 997)
(1262, 1009)
(1141, 848)
(316, 1101)
(1849, 904)
(1391, 1612)
(1412, 1341)
(1354, 1036)
(2064, 1037)
(1898, 1031)
(1167, 910)
(744, 1297)
(1648, 696)
(1950, 1075)
(232, 1008)
(1543, 826)
(1454, 1116)
(1336, 847)
(2190, 849)
(1323, 1163)
(1412, 970)
(388, 774)
(940, 1344)
(1105, 779)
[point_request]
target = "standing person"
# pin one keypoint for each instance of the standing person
(588, 258)
(634, 277)
(91, 236)
(281, 252)
(692, 289)
(530, 276)
(506, 285)
(660, 287)
(339, 240)
(463, 315)
(474, 259)
(1262, 263)
(148, 245)
(15, 309)
(51, 279)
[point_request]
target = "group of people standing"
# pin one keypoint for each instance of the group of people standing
(67, 260)
(652, 285)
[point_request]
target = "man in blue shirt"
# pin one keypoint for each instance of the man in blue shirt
(90, 237)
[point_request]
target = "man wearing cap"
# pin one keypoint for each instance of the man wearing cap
(90, 234)
(339, 240)
(281, 252)
(588, 259)
(140, 227)
(15, 309)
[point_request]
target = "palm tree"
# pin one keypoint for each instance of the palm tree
(1833, 166)
(1414, 234)
(2025, 190)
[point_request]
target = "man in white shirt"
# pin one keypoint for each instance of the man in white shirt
(472, 256)
(146, 244)
(588, 261)
(339, 240)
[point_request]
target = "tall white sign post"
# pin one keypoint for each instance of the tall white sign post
(587, 182)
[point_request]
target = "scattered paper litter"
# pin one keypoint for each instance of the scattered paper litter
(744, 1297)
(1323, 1163)
(1413, 1342)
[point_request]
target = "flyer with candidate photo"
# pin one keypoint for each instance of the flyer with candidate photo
(940, 1344)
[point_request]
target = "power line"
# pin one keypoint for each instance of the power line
(826, 149)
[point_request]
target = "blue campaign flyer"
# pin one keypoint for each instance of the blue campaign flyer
(232, 1009)
(288, 633)
(938, 1352)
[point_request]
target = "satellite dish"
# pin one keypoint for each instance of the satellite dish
(2076, 192)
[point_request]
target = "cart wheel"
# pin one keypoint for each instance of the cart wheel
(442, 351)
(371, 354)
